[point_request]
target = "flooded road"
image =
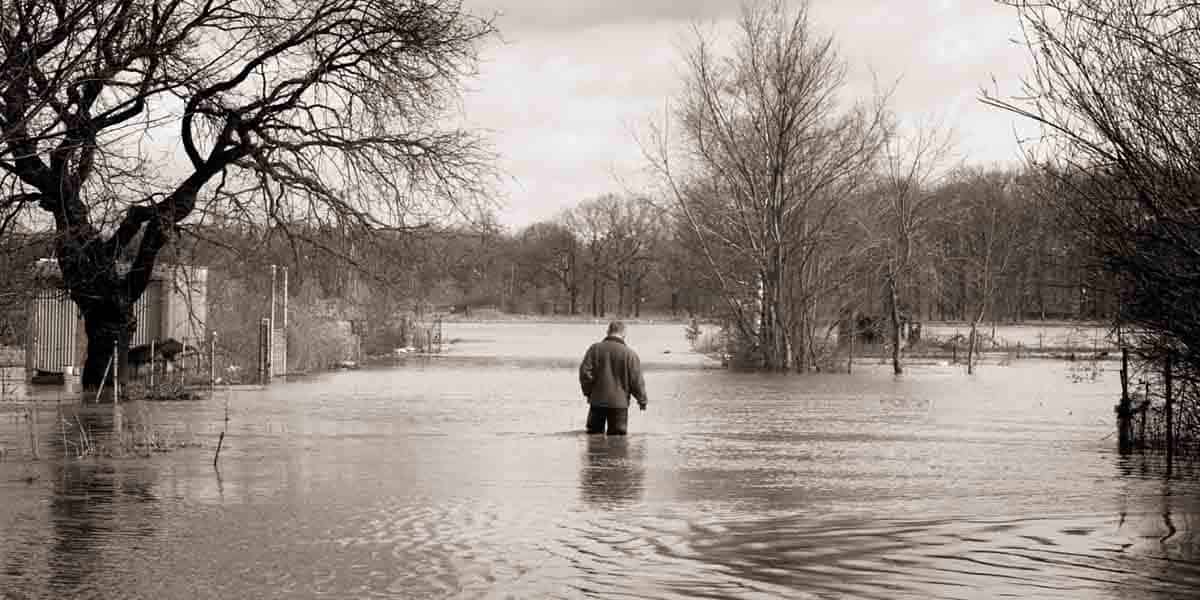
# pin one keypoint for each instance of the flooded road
(468, 476)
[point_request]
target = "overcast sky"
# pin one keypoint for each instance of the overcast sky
(570, 81)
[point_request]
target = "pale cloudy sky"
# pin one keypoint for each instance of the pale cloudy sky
(570, 81)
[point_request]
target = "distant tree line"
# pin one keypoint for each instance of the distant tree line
(784, 210)
(992, 240)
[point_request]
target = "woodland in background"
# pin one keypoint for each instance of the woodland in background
(622, 256)
(790, 212)
(1115, 86)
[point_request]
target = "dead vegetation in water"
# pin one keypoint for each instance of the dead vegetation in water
(139, 439)
(166, 390)
(81, 432)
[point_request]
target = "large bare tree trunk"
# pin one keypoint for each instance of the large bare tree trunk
(109, 324)
(105, 296)
(773, 337)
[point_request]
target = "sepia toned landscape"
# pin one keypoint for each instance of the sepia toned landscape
(506, 299)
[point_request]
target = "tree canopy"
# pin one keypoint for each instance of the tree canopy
(120, 119)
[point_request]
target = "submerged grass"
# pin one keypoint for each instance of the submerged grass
(123, 440)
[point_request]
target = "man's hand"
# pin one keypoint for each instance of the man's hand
(642, 405)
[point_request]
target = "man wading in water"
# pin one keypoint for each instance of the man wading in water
(609, 374)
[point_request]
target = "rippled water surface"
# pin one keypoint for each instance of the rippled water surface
(468, 476)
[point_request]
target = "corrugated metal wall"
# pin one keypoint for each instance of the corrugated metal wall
(148, 312)
(54, 324)
(278, 352)
(53, 321)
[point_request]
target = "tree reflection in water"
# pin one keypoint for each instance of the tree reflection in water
(1159, 525)
(94, 498)
(612, 472)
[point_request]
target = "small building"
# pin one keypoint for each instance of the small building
(174, 305)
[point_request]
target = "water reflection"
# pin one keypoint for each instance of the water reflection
(443, 481)
(612, 472)
(93, 510)
(80, 501)
(1158, 527)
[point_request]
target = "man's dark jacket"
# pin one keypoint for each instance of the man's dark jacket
(610, 373)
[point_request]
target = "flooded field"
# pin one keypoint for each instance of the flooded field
(468, 476)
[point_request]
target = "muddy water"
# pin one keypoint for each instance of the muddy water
(468, 477)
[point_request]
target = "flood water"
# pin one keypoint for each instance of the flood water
(468, 476)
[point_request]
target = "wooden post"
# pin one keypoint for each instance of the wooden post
(283, 355)
(853, 334)
(212, 361)
(271, 326)
(1125, 408)
(152, 364)
(264, 351)
(971, 349)
(1169, 412)
(116, 363)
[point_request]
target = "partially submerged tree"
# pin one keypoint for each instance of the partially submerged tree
(1116, 86)
(983, 236)
(282, 111)
(906, 210)
(769, 156)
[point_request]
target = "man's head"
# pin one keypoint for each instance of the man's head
(616, 329)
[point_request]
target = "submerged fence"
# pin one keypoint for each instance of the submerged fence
(1158, 411)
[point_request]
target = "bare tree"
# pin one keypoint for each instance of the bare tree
(985, 235)
(1116, 86)
(592, 224)
(285, 111)
(912, 163)
(769, 157)
(635, 229)
(549, 250)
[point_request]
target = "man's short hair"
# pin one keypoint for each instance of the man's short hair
(616, 328)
